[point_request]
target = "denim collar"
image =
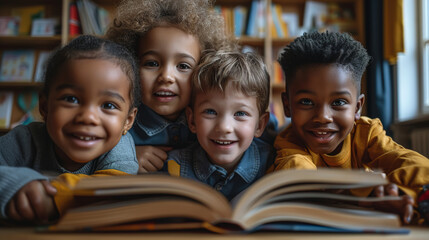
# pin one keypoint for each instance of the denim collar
(247, 168)
(152, 123)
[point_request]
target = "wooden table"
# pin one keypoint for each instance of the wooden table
(12, 233)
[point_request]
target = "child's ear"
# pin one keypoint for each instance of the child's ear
(263, 121)
(285, 101)
(130, 119)
(190, 118)
(43, 106)
(359, 105)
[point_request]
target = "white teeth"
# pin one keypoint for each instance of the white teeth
(222, 142)
(164, 93)
(86, 138)
(322, 133)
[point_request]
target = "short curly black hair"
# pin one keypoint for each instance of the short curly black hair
(324, 48)
(134, 18)
(91, 47)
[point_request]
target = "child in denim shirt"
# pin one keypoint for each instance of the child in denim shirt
(228, 112)
(167, 38)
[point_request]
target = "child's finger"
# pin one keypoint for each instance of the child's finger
(391, 189)
(165, 148)
(408, 208)
(147, 166)
(38, 199)
(160, 153)
(50, 190)
(23, 207)
(379, 191)
(12, 213)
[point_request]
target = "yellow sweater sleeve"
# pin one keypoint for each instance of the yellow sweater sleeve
(67, 181)
(404, 167)
(291, 154)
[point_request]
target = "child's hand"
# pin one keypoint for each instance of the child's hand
(151, 158)
(404, 206)
(33, 203)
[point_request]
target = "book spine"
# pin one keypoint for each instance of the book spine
(74, 23)
(251, 25)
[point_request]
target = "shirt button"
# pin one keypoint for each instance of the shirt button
(218, 187)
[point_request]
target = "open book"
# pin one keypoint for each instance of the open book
(303, 200)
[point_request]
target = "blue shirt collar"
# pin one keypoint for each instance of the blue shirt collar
(247, 168)
(152, 123)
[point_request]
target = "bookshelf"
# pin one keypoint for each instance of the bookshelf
(342, 15)
(58, 9)
(267, 45)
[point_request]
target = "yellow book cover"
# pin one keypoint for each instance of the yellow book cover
(27, 15)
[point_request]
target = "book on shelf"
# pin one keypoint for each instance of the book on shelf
(315, 14)
(9, 26)
(44, 27)
(6, 104)
(17, 66)
(42, 62)
(240, 18)
(93, 18)
(283, 200)
(74, 22)
(27, 15)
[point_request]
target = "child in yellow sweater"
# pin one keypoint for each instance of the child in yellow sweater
(323, 75)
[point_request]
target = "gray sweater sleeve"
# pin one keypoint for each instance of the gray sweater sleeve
(16, 163)
(122, 157)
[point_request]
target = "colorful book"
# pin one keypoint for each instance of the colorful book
(240, 16)
(251, 23)
(6, 104)
(17, 66)
(9, 26)
(42, 61)
(27, 15)
(74, 21)
(277, 200)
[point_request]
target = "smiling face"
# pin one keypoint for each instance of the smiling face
(167, 56)
(87, 110)
(225, 124)
(323, 105)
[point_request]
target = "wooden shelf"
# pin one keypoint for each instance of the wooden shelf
(29, 41)
(20, 85)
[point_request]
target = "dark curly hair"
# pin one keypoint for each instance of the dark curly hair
(91, 47)
(134, 18)
(324, 48)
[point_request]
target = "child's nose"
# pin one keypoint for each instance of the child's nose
(323, 114)
(167, 75)
(224, 125)
(88, 115)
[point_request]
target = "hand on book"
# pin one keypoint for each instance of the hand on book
(151, 158)
(33, 203)
(403, 207)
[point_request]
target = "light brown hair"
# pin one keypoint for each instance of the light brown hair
(245, 71)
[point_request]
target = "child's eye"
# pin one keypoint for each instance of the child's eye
(151, 64)
(209, 111)
(70, 99)
(339, 102)
(241, 114)
(184, 66)
(305, 101)
(109, 105)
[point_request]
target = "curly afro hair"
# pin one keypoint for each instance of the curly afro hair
(324, 48)
(134, 18)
